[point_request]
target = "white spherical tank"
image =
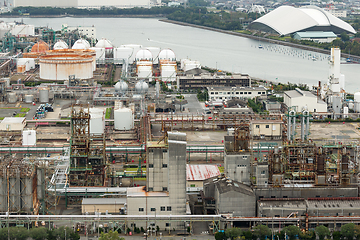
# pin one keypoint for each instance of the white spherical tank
(29, 98)
(60, 45)
(124, 119)
(81, 44)
(155, 53)
(357, 97)
(143, 55)
(121, 87)
(59, 66)
(167, 55)
(12, 97)
(29, 137)
(43, 95)
(141, 87)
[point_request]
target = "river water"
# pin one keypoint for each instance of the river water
(213, 49)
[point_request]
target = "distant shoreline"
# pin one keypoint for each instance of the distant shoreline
(84, 16)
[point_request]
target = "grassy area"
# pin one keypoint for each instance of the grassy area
(245, 32)
(134, 169)
(1, 118)
(20, 115)
(108, 113)
(25, 110)
(140, 178)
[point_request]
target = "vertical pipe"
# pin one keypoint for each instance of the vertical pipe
(302, 126)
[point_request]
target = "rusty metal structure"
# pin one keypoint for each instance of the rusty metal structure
(88, 165)
(20, 188)
(305, 163)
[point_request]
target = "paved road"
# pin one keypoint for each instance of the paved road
(193, 104)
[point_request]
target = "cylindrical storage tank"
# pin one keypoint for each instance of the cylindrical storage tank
(12, 97)
(123, 53)
(29, 98)
(97, 123)
(106, 45)
(100, 52)
(346, 111)
(135, 48)
(144, 71)
(155, 53)
(29, 137)
(43, 95)
(61, 65)
(357, 97)
(124, 119)
(357, 107)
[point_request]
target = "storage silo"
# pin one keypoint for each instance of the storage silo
(29, 98)
(124, 119)
(12, 97)
(97, 121)
(100, 52)
(43, 95)
(357, 102)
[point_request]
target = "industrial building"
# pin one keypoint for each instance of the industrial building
(304, 100)
(320, 37)
(207, 80)
(216, 93)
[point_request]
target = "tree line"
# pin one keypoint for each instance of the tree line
(348, 231)
(40, 233)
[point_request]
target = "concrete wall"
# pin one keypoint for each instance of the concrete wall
(237, 167)
(262, 175)
(237, 203)
(157, 176)
(268, 129)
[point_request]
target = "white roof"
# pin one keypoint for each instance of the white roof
(13, 120)
(143, 54)
(167, 54)
(201, 172)
(103, 201)
(60, 45)
(81, 44)
(104, 43)
(286, 20)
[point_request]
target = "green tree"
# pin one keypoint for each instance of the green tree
(262, 231)
(18, 233)
(309, 235)
(349, 231)
(38, 233)
(110, 236)
(247, 235)
(336, 235)
(233, 233)
(322, 231)
(51, 234)
(220, 236)
(291, 231)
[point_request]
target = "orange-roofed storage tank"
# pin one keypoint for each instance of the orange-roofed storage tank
(40, 46)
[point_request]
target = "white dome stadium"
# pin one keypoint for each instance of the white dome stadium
(286, 20)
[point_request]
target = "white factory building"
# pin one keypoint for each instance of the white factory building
(87, 3)
(222, 93)
(304, 99)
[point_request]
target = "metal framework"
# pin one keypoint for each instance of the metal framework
(87, 151)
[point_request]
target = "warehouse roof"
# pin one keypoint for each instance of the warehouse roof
(201, 172)
(286, 20)
(224, 185)
(316, 34)
(299, 93)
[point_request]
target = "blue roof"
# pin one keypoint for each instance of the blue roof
(316, 34)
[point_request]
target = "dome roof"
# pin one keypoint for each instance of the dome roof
(144, 54)
(167, 54)
(60, 45)
(286, 20)
(81, 44)
(104, 43)
(141, 87)
(40, 46)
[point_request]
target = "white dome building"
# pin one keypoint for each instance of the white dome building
(81, 44)
(286, 20)
(144, 55)
(167, 55)
(106, 44)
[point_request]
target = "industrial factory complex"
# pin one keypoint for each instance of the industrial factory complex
(95, 134)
